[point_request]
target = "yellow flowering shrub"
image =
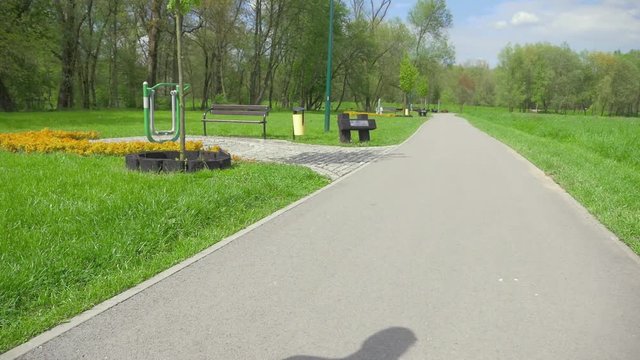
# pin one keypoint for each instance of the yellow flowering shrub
(77, 142)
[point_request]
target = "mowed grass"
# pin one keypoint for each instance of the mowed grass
(596, 159)
(123, 123)
(78, 230)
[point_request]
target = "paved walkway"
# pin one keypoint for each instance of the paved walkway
(331, 161)
(450, 247)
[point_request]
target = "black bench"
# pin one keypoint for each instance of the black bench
(362, 124)
(243, 110)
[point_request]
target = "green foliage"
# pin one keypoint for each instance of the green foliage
(370, 69)
(595, 159)
(182, 6)
(408, 75)
(422, 89)
(430, 19)
(26, 72)
(245, 51)
(465, 89)
(72, 233)
(548, 77)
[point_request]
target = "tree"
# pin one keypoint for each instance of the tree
(483, 78)
(220, 26)
(26, 35)
(151, 16)
(408, 76)
(465, 89)
(511, 78)
(70, 22)
(430, 19)
(180, 8)
(422, 88)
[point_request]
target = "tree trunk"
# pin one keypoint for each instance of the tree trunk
(113, 59)
(153, 32)
(84, 82)
(217, 72)
(65, 92)
(207, 79)
(344, 87)
(254, 80)
(6, 102)
(70, 28)
(180, 85)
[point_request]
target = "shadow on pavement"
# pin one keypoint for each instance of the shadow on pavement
(388, 344)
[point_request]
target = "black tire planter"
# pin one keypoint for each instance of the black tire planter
(167, 161)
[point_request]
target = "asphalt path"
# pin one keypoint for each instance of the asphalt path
(450, 247)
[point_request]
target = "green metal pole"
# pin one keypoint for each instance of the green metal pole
(145, 104)
(327, 105)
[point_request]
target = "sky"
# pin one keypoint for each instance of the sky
(484, 27)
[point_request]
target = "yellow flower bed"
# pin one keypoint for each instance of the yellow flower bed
(77, 142)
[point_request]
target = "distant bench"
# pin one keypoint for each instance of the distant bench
(388, 109)
(241, 110)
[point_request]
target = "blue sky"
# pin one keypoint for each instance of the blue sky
(483, 27)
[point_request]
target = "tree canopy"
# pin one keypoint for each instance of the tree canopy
(96, 54)
(64, 54)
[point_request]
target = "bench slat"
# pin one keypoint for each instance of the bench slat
(235, 121)
(262, 108)
(236, 112)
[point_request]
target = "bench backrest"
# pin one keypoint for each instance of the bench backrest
(225, 109)
(362, 122)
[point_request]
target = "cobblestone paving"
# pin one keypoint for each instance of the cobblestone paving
(332, 161)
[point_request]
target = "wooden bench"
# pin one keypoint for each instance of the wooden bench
(243, 110)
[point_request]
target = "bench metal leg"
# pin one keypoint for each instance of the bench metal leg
(204, 125)
(264, 131)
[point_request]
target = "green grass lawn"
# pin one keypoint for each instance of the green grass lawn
(121, 123)
(78, 230)
(596, 159)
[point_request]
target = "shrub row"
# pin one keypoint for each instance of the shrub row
(78, 142)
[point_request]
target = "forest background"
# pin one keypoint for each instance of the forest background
(90, 54)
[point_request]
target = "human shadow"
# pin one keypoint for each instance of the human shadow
(388, 344)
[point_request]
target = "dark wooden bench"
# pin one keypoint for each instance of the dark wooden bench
(240, 110)
(362, 124)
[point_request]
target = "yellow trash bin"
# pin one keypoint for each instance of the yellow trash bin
(298, 121)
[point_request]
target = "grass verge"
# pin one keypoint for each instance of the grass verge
(78, 230)
(596, 159)
(122, 123)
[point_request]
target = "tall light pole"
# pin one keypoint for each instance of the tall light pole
(327, 105)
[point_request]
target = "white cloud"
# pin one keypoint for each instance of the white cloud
(603, 25)
(500, 24)
(524, 18)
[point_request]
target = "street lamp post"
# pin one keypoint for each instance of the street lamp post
(327, 105)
